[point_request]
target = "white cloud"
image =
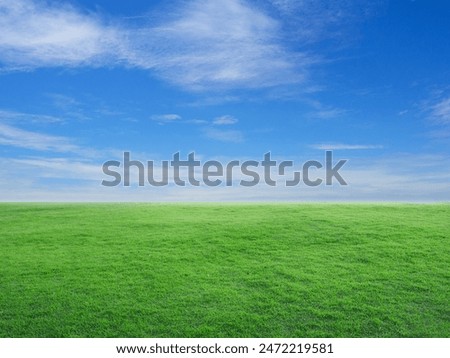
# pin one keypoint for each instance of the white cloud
(225, 120)
(197, 44)
(341, 146)
(225, 43)
(205, 44)
(36, 34)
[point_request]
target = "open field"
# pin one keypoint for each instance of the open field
(211, 270)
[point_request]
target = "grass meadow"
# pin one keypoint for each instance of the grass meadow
(224, 270)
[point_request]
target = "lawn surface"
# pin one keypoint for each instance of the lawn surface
(210, 270)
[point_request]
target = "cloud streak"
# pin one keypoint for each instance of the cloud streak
(20, 138)
(16, 137)
(13, 116)
(341, 146)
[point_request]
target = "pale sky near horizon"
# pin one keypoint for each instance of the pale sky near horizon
(83, 81)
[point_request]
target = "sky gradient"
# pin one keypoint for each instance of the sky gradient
(83, 81)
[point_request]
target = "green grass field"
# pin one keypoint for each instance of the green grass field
(210, 270)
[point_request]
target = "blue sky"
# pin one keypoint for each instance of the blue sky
(83, 81)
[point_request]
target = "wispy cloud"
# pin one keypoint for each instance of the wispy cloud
(321, 19)
(63, 168)
(406, 177)
(224, 135)
(16, 137)
(85, 108)
(323, 111)
(13, 116)
(63, 101)
(224, 120)
(38, 34)
(341, 146)
(197, 121)
(205, 43)
(327, 113)
(209, 128)
(234, 136)
(441, 111)
(437, 110)
(222, 43)
(165, 118)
